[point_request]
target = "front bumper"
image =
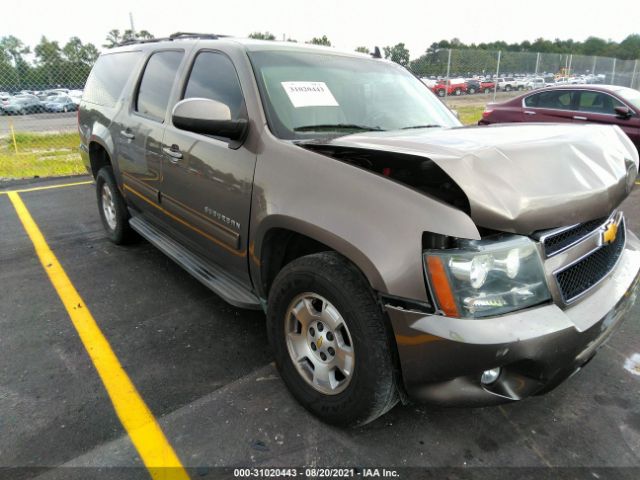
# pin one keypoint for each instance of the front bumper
(443, 358)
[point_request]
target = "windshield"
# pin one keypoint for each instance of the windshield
(631, 96)
(310, 95)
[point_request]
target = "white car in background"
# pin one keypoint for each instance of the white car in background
(76, 96)
(534, 83)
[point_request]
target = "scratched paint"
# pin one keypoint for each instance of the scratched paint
(632, 364)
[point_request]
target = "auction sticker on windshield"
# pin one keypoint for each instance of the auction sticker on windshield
(309, 94)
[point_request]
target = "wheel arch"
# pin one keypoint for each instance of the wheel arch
(282, 239)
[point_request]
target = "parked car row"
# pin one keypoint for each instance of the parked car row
(28, 102)
(459, 86)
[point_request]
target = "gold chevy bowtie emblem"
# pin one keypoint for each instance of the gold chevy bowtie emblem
(610, 232)
(319, 342)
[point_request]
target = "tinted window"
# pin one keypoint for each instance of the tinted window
(157, 80)
(558, 99)
(213, 76)
(598, 102)
(108, 77)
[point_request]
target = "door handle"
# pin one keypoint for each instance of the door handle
(578, 117)
(173, 151)
(127, 134)
(529, 112)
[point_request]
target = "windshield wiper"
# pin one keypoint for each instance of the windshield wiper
(337, 126)
(421, 126)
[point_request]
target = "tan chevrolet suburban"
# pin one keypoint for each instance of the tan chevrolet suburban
(397, 254)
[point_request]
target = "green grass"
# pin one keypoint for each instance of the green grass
(469, 114)
(40, 155)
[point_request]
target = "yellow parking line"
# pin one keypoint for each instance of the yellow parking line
(48, 187)
(142, 427)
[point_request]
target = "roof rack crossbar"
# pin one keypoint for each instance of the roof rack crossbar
(173, 36)
(211, 36)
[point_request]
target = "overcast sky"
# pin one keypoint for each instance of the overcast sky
(347, 23)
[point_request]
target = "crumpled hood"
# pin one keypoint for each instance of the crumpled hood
(523, 177)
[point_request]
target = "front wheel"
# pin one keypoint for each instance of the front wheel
(112, 208)
(332, 343)
(471, 91)
(457, 92)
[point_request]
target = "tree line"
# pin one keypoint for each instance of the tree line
(52, 65)
(627, 49)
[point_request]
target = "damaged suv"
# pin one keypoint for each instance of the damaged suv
(397, 254)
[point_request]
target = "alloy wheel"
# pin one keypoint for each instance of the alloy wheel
(319, 343)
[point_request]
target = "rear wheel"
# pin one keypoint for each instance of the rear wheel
(457, 92)
(441, 93)
(112, 207)
(507, 88)
(471, 91)
(331, 340)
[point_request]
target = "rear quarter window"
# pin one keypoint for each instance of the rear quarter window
(109, 76)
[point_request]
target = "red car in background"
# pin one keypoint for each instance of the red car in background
(487, 86)
(450, 87)
(604, 104)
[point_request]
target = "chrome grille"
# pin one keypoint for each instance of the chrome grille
(557, 242)
(586, 273)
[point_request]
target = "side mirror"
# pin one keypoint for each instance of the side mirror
(209, 117)
(622, 112)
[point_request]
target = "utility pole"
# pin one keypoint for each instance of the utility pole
(133, 30)
(613, 72)
(495, 81)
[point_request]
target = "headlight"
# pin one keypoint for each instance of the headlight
(486, 278)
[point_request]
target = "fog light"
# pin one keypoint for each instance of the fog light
(490, 376)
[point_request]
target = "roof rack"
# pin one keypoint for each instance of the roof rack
(209, 36)
(172, 37)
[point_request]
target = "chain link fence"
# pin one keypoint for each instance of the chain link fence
(38, 126)
(451, 72)
(38, 102)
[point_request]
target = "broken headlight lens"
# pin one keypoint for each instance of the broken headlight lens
(488, 277)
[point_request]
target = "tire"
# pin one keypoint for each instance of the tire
(441, 93)
(327, 282)
(115, 217)
(487, 90)
(471, 91)
(457, 92)
(507, 88)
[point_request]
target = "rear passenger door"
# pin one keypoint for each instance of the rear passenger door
(207, 181)
(549, 106)
(140, 130)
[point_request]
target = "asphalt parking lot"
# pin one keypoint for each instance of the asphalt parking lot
(204, 370)
(40, 122)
